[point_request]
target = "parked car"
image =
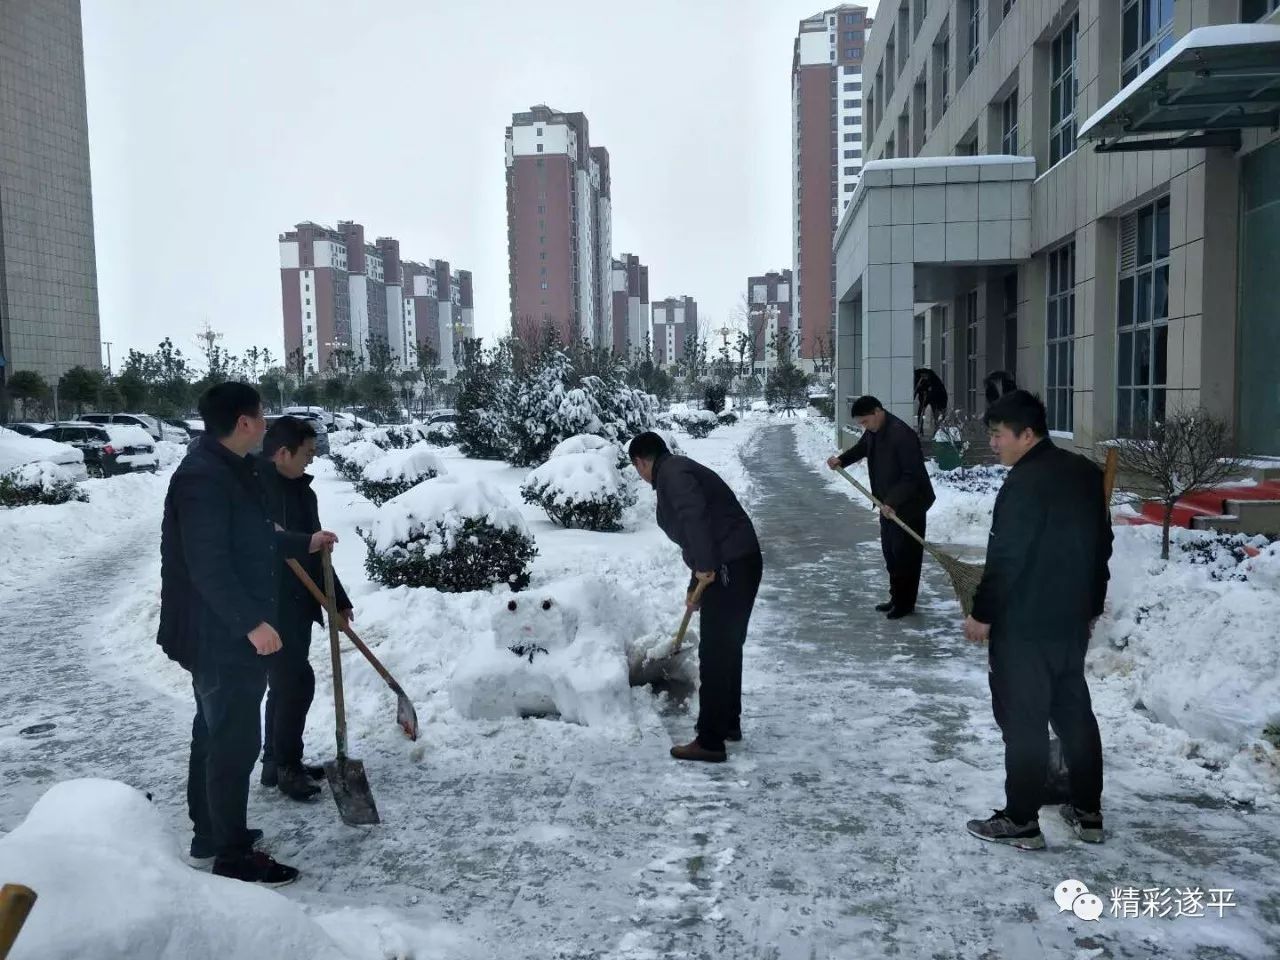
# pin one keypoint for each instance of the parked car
(194, 426)
(322, 434)
(143, 420)
(349, 421)
(312, 413)
(17, 450)
(109, 448)
(27, 429)
(443, 416)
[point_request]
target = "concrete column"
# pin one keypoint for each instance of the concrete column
(1216, 314)
(848, 358)
(888, 296)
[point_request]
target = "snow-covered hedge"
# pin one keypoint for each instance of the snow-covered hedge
(351, 459)
(440, 434)
(727, 418)
(583, 490)
(396, 437)
(588, 443)
(38, 483)
(398, 470)
(450, 535)
(696, 423)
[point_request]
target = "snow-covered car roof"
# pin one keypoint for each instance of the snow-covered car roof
(15, 450)
(127, 435)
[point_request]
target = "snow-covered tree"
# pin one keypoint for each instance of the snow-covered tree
(583, 490)
(397, 471)
(484, 381)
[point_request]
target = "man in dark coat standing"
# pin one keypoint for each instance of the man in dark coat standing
(219, 575)
(698, 511)
(287, 451)
(1043, 588)
(901, 484)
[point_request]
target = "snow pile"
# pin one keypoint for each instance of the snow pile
(589, 443)
(449, 534)
(169, 453)
(352, 458)
(583, 490)
(113, 886)
(397, 471)
(696, 423)
(15, 450)
(341, 438)
(39, 482)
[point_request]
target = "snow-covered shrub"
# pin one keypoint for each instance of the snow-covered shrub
(727, 418)
(583, 490)
(450, 535)
(713, 398)
(397, 437)
(483, 387)
(1223, 554)
(696, 423)
(396, 471)
(440, 434)
(589, 443)
(38, 482)
(351, 459)
(984, 479)
(340, 438)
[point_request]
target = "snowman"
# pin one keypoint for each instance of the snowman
(529, 626)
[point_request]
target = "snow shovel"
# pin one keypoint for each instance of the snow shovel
(964, 576)
(345, 774)
(406, 715)
(655, 667)
(16, 902)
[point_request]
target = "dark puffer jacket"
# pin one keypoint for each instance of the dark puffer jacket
(699, 512)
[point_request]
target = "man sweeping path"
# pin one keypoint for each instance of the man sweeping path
(699, 512)
(1043, 588)
(900, 482)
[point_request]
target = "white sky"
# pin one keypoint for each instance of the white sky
(212, 134)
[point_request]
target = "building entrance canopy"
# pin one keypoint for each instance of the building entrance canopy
(1203, 91)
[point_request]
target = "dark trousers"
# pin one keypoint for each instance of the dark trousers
(726, 611)
(225, 737)
(1034, 686)
(292, 687)
(903, 558)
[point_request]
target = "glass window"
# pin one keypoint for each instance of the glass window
(973, 35)
(1146, 31)
(1009, 124)
(1142, 321)
(971, 351)
(1060, 339)
(1062, 93)
(1251, 10)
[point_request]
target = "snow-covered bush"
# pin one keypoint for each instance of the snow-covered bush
(450, 535)
(351, 459)
(696, 423)
(589, 443)
(483, 386)
(583, 490)
(39, 482)
(396, 437)
(396, 471)
(340, 438)
(727, 418)
(440, 434)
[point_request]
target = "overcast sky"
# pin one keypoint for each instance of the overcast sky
(213, 128)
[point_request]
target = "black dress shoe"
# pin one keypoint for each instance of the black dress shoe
(734, 736)
(884, 607)
(296, 785)
(898, 614)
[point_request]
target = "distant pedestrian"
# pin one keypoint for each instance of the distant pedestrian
(219, 575)
(287, 450)
(1044, 587)
(698, 511)
(901, 483)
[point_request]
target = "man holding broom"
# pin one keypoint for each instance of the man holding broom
(1042, 590)
(900, 482)
(698, 511)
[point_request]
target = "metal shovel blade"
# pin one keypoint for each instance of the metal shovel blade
(407, 717)
(350, 788)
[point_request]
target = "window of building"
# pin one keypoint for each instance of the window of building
(850, 138)
(850, 154)
(921, 8)
(1011, 324)
(1009, 124)
(308, 301)
(971, 351)
(853, 53)
(542, 208)
(539, 148)
(308, 314)
(851, 70)
(853, 85)
(922, 342)
(1142, 321)
(850, 103)
(542, 255)
(1060, 344)
(973, 35)
(848, 188)
(944, 346)
(1146, 31)
(850, 121)
(1251, 10)
(850, 171)
(1062, 93)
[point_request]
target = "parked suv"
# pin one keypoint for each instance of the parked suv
(322, 433)
(108, 449)
(143, 420)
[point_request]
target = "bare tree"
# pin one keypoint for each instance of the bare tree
(1187, 452)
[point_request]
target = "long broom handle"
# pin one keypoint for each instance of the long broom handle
(16, 902)
(688, 614)
(1109, 477)
(895, 518)
(331, 610)
(343, 624)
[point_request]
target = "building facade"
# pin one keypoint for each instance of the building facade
(675, 321)
(770, 326)
(827, 132)
(559, 227)
(1091, 207)
(340, 293)
(630, 310)
(48, 273)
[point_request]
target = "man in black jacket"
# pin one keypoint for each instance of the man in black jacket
(1044, 586)
(287, 451)
(698, 511)
(219, 570)
(901, 484)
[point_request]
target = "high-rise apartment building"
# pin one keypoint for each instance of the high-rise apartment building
(340, 293)
(826, 126)
(769, 322)
(630, 305)
(675, 320)
(48, 272)
(559, 226)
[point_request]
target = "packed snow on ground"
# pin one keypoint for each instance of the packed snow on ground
(411, 463)
(1176, 646)
(113, 886)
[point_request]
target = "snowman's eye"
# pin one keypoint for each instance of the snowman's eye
(511, 605)
(546, 604)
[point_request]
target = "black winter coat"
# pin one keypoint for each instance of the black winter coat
(293, 505)
(698, 511)
(896, 465)
(1046, 572)
(219, 558)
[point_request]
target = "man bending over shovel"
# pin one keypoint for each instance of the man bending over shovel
(698, 511)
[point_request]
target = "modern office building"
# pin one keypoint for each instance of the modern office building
(675, 320)
(770, 326)
(1084, 194)
(630, 309)
(48, 273)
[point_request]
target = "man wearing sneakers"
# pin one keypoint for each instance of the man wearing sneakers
(698, 511)
(1041, 592)
(219, 576)
(287, 451)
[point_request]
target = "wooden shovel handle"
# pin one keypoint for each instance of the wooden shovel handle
(1109, 471)
(16, 902)
(688, 614)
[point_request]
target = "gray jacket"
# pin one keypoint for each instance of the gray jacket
(698, 511)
